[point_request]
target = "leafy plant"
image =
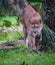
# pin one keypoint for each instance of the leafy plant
(48, 37)
(34, 1)
(7, 23)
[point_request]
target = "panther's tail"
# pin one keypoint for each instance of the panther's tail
(22, 3)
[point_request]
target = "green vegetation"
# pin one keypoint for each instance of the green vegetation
(34, 1)
(13, 22)
(11, 36)
(48, 37)
(22, 56)
(8, 19)
(10, 22)
(11, 30)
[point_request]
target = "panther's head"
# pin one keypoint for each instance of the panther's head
(35, 25)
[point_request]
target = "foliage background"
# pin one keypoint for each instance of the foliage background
(22, 55)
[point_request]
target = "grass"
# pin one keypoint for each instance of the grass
(22, 56)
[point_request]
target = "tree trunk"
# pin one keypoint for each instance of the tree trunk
(49, 13)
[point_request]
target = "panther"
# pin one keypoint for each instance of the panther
(32, 27)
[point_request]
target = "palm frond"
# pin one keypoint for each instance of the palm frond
(48, 37)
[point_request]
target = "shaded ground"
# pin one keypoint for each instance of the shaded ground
(10, 45)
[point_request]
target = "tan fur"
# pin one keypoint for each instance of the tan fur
(32, 27)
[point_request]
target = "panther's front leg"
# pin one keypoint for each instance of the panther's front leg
(33, 43)
(26, 41)
(38, 42)
(25, 36)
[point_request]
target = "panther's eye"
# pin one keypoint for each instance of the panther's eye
(31, 21)
(39, 20)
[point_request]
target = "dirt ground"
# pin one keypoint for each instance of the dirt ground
(10, 45)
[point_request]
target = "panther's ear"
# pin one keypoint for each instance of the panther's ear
(22, 3)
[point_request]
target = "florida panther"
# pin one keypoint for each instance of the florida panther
(32, 27)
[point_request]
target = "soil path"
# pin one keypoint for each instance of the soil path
(11, 44)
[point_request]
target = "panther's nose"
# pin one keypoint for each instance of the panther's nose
(35, 32)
